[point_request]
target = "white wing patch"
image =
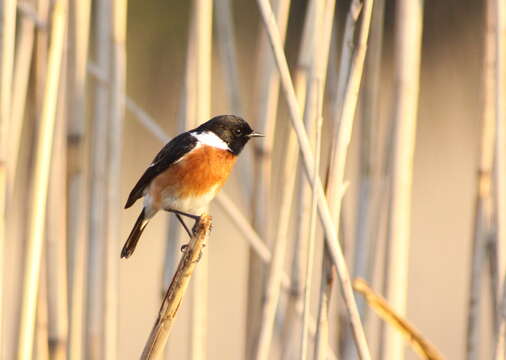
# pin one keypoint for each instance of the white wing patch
(211, 139)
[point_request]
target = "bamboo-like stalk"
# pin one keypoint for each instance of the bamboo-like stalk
(172, 300)
(20, 85)
(483, 200)
(419, 344)
(202, 102)
(8, 38)
(41, 340)
(78, 143)
(226, 46)
(56, 248)
(295, 116)
(98, 227)
(408, 53)
(115, 130)
(295, 295)
(312, 235)
(367, 209)
(500, 171)
(321, 345)
(41, 179)
(266, 98)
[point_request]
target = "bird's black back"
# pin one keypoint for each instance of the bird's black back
(170, 153)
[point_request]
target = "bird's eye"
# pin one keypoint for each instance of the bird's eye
(237, 131)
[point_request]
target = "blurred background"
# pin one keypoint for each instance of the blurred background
(91, 90)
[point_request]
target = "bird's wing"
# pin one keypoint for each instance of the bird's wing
(173, 151)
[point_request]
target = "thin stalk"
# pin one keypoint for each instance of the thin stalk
(296, 118)
(226, 46)
(312, 243)
(202, 103)
(500, 171)
(321, 346)
(115, 131)
(41, 345)
(369, 166)
(41, 180)
(174, 295)
(20, 85)
(98, 193)
(295, 295)
(79, 157)
(408, 54)
(266, 104)
(483, 201)
(8, 39)
(56, 248)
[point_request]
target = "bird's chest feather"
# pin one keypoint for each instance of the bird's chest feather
(196, 177)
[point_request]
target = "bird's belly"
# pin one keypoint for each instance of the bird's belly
(193, 204)
(191, 183)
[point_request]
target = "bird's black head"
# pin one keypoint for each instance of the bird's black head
(233, 130)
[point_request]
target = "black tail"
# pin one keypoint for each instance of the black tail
(135, 234)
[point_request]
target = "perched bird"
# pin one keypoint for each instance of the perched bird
(188, 172)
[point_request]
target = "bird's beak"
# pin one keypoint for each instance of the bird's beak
(255, 134)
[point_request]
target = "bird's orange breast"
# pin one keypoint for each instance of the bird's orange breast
(203, 169)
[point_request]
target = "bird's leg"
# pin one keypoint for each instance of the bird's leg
(184, 225)
(191, 216)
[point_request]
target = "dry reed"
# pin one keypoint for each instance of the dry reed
(407, 56)
(500, 172)
(419, 344)
(174, 295)
(41, 180)
(295, 116)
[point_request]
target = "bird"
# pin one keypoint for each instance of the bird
(187, 173)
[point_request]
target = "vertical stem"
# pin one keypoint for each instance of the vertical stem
(408, 53)
(266, 104)
(117, 72)
(203, 46)
(41, 180)
(368, 178)
(8, 37)
(79, 157)
(19, 91)
(322, 331)
(483, 201)
(56, 248)
(500, 170)
(98, 225)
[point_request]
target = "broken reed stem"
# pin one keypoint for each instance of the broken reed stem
(419, 344)
(500, 171)
(296, 118)
(483, 201)
(41, 180)
(172, 300)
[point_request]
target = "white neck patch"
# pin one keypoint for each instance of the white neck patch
(211, 139)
